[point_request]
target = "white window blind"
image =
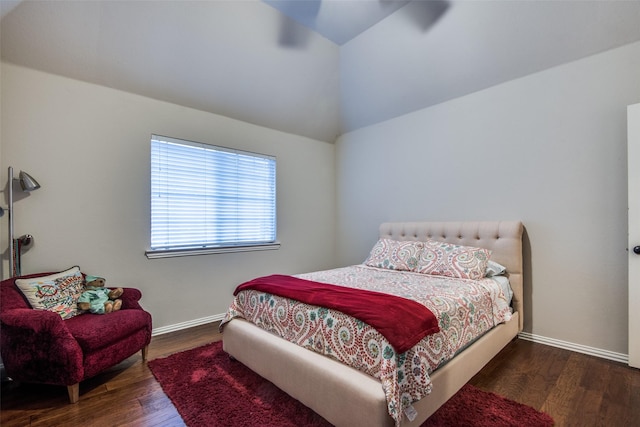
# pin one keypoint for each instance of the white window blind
(204, 196)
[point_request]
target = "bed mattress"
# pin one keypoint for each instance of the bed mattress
(466, 309)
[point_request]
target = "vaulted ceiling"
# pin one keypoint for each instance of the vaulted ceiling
(300, 70)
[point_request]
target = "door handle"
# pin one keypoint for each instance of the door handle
(636, 250)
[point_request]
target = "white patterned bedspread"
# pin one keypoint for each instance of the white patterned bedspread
(465, 309)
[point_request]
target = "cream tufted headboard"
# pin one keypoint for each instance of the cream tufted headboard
(503, 238)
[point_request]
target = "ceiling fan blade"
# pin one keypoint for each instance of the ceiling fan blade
(427, 13)
(300, 16)
(291, 34)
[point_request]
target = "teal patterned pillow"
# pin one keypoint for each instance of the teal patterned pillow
(394, 254)
(57, 292)
(446, 259)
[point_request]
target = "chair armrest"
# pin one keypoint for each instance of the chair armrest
(35, 321)
(36, 346)
(130, 298)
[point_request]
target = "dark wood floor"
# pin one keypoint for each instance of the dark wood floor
(575, 389)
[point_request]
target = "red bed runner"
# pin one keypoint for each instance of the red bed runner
(401, 321)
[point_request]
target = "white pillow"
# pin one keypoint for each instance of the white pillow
(58, 292)
(495, 269)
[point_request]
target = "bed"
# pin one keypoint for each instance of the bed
(346, 396)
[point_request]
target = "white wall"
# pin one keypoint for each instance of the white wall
(548, 149)
(88, 146)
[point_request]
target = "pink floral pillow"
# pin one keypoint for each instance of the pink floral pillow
(395, 254)
(446, 259)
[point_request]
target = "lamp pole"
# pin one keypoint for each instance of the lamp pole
(28, 183)
(10, 209)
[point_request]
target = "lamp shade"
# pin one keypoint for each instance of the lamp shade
(27, 182)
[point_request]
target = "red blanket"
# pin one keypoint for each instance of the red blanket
(401, 321)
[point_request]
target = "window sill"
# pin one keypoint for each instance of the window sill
(171, 253)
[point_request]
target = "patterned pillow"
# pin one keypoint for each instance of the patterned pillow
(394, 254)
(57, 292)
(446, 259)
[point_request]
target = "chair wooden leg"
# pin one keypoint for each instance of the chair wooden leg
(74, 392)
(145, 350)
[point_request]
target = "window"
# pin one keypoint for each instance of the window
(207, 199)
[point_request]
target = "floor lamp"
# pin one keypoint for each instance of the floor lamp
(27, 183)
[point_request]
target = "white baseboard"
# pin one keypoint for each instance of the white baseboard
(187, 324)
(578, 348)
(592, 351)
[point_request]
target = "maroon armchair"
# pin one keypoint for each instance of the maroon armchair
(38, 346)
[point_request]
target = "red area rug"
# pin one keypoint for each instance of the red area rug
(208, 389)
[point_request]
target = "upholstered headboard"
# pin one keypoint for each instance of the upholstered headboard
(503, 238)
